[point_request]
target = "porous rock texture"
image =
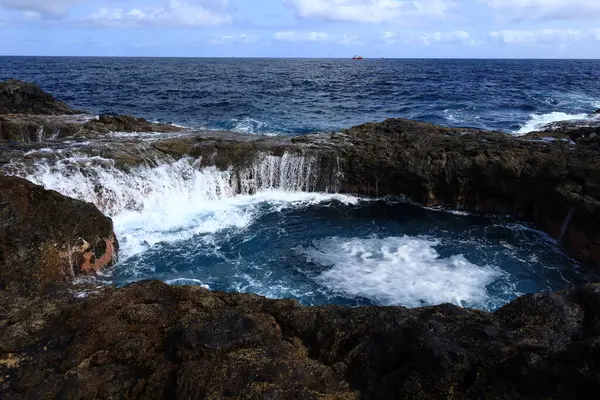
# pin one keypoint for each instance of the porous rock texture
(153, 341)
(46, 237)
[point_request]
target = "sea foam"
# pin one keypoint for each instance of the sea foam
(539, 121)
(400, 271)
(175, 201)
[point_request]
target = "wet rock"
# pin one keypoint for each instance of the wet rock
(541, 178)
(29, 114)
(40, 128)
(18, 97)
(47, 238)
(126, 123)
(531, 179)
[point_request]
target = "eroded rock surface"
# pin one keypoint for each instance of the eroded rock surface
(151, 341)
(18, 97)
(29, 114)
(46, 237)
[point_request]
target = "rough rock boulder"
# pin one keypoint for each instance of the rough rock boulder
(18, 97)
(46, 237)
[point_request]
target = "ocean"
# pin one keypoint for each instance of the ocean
(289, 96)
(188, 225)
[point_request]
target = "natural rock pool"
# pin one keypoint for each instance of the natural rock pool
(264, 233)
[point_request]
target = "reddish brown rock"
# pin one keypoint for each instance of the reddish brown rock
(46, 237)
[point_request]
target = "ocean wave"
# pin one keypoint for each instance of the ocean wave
(539, 121)
(250, 126)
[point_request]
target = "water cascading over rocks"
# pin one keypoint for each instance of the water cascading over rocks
(99, 181)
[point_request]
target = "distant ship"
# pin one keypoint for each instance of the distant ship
(357, 57)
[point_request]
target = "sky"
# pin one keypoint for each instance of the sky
(302, 28)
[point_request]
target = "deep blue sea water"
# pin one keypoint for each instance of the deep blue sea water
(295, 96)
(186, 225)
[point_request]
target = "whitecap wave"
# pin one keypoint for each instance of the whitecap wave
(401, 271)
(251, 126)
(539, 121)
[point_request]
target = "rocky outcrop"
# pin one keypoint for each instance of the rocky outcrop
(18, 97)
(41, 128)
(126, 123)
(554, 184)
(29, 114)
(152, 341)
(47, 238)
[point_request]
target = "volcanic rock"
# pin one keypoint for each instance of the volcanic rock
(153, 341)
(126, 123)
(29, 114)
(18, 97)
(46, 237)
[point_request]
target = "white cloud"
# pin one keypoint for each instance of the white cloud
(544, 37)
(320, 37)
(452, 37)
(547, 9)
(371, 11)
(174, 13)
(233, 39)
(347, 40)
(50, 9)
(302, 36)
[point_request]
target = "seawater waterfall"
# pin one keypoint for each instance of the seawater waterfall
(113, 190)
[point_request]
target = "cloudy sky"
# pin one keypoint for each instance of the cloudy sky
(302, 28)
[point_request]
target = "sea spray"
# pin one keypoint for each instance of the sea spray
(539, 121)
(113, 190)
(271, 228)
(176, 200)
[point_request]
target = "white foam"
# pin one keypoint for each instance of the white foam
(404, 271)
(178, 200)
(186, 281)
(44, 150)
(538, 121)
(250, 126)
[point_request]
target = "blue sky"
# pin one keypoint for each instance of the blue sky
(302, 28)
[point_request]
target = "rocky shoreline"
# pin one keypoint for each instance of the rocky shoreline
(150, 340)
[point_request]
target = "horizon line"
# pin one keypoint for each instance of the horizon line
(297, 58)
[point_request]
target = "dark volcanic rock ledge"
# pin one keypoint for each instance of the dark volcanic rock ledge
(554, 184)
(153, 341)
(18, 97)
